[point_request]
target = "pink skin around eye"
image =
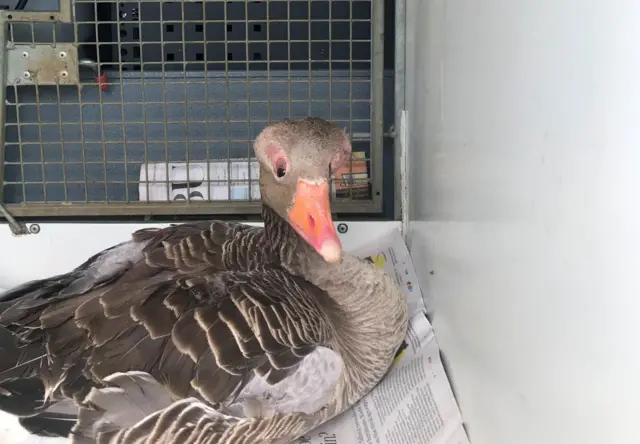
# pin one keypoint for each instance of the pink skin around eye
(277, 156)
(281, 163)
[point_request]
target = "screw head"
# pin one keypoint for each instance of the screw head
(34, 228)
(25, 55)
(26, 75)
(62, 54)
(64, 73)
(343, 228)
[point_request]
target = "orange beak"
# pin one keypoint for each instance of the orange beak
(310, 216)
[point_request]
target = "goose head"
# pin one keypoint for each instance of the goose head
(297, 158)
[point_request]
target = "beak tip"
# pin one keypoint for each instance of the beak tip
(331, 251)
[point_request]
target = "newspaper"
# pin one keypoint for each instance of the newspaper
(414, 403)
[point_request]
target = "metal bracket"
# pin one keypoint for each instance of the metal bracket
(64, 14)
(42, 64)
(17, 228)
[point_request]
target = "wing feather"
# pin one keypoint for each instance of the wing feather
(117, 414)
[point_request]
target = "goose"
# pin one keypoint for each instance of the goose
(210, 332)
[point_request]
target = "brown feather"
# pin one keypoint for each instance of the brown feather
(154, 315)
(188, 338)
(215, 384)
(119, 299)
(98, 328)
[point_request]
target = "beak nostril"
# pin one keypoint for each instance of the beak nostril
(312, 222)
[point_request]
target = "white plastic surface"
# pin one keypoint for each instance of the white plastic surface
(11, 432)
(525, 157)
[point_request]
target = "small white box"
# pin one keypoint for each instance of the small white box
(218, 180)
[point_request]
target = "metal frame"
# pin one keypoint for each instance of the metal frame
(399, 105)
(3, 108)
(372, 205)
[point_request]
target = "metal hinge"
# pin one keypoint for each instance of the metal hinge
(391, 134)
(403, 137)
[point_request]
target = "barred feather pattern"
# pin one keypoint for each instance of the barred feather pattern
(188, 421)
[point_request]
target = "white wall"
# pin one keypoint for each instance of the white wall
(525, 145)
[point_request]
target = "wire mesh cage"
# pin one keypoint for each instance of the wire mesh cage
(151, 107)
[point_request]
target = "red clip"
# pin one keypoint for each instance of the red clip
(103, 81)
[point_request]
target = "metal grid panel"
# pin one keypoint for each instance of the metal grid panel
(185, 87)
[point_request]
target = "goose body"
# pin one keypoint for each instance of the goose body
(210, 332)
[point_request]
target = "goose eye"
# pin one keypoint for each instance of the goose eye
(281, 168)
